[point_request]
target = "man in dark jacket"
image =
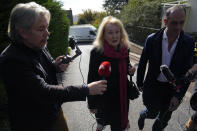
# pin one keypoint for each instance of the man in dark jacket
(29, 74)
(172, 47)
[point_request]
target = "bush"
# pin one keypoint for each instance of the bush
(141, 18)
(138, 35)
(59, 27)
(4, 118)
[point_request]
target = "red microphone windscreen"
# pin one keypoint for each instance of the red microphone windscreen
(105, 69)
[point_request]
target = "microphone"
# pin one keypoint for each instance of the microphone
(184, 80)
(72, 43)
(170, 77)
(104, 69)
(167, 73)
(177, 83)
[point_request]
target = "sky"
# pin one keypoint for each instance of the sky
(78, 6)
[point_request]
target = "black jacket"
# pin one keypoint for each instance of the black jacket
(181, 62)
(109, 102)
(34, 96)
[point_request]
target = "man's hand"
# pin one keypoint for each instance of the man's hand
(58, 60)
(193, 69)
(174, 104)
(97, 87)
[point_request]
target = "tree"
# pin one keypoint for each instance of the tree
(99, 18)
(86, 17)
(112, 7)
(142, 13)
(91, 17)
(141, 17)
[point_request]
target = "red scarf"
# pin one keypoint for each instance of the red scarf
(121, 55)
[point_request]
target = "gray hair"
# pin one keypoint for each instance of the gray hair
(25, 16)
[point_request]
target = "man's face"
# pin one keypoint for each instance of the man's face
(37, 36)
(175, 21)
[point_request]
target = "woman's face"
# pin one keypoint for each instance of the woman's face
(112, 34)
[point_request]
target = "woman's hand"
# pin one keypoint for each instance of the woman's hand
(131, 70)
(94, 111)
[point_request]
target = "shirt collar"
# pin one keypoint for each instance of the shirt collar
(165, 37)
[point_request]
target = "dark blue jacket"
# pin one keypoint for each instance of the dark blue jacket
(181, 61)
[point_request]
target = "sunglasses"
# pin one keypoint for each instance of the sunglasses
(177, 22)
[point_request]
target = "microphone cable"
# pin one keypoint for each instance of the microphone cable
(81, 70)
(84, 84)
(83, 80)
(96, 122)
(60, 75)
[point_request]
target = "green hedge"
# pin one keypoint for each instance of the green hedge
(4, 119)
(59, 28)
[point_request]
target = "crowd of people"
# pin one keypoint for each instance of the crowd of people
(35, 97)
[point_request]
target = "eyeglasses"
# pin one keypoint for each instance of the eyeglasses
(177, 22)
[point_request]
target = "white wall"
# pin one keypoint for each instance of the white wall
(192, 20)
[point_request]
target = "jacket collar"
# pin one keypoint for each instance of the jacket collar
(159, 35)
(29, 51)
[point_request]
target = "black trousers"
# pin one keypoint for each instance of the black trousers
(158, 107)
(105, 118)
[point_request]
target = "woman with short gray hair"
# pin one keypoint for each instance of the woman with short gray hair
(29, 74)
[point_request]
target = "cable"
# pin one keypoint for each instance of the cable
(80, 69)
(61, 81)
(94, 122)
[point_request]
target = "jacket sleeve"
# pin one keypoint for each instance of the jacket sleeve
(142, 64)
(20, 76)
(92, 76)
(188, 62)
